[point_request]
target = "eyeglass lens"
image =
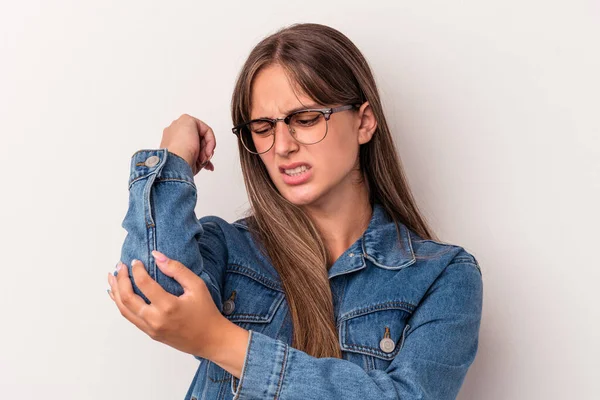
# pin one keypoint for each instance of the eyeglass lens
(306, 127)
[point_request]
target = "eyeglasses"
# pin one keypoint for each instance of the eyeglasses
(306, 126)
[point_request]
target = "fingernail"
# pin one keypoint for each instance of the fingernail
(119, 266)
(159, 256)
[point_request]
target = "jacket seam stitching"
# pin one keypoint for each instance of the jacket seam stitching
(242, 270)
(467, 262)
(282, 372)
(241, 380)
(159, 179)
(395, 305)
(182, 180)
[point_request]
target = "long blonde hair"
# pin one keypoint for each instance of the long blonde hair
(330, 69)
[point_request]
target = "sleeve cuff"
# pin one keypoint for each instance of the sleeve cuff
(263, 371)
(162, 162)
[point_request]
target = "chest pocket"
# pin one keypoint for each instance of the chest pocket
(373, 336)
(250, 301)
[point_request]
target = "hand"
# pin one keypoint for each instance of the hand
(192, 140)
(190, 323)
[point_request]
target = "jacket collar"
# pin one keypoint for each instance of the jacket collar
(378, 244)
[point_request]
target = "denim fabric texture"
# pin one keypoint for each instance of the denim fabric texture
(408, 328)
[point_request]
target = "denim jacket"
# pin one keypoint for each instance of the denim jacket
(408, 327)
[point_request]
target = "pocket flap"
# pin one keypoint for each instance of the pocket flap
(248, 300)
(362, 331)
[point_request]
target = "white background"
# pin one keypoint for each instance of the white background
(494, 106)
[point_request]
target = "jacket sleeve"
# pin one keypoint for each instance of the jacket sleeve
(438, 349)
(161, 216)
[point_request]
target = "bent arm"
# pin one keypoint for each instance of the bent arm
(161, 216)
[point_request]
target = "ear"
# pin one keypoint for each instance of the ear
(368, 124)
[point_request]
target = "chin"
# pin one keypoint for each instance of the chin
(300, 196)
(299, 200)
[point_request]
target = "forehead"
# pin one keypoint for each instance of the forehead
(275, 94)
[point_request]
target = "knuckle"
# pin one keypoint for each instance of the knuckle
(157, 328)
(122, 311)
(169, 309)
(141, 279)
(153, 334)
(174, 265)
(125, 299)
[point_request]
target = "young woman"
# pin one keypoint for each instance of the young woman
(332, 286)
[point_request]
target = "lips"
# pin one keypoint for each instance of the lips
(297, 179)
(283, 167)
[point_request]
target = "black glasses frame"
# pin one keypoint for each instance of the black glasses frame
(273, 121)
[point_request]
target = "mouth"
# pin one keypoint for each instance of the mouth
(294, 170)
(298, 174)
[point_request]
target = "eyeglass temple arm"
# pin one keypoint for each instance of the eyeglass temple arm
(346, 107)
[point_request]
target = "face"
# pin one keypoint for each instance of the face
(332, 163)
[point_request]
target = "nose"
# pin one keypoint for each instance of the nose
(284, 141)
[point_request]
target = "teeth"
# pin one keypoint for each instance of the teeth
(296, 171)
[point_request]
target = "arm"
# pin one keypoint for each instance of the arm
(161, 216)
(432, 364)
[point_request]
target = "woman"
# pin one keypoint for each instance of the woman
(333, 286)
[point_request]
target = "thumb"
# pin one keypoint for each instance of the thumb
(174, 269)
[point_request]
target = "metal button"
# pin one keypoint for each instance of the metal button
(228, 307)
(351, 254)
(152, 161)
(387, 345)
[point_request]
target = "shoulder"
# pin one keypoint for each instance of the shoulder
(244, 254)
(237, 226)
(448, 273)
(228, 236)
(445, 267)
(234, 234)
(443, 254)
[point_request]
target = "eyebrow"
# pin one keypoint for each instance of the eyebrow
(293, 110)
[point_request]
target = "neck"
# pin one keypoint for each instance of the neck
(343, 220)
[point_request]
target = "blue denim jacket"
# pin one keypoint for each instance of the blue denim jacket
(408, 327)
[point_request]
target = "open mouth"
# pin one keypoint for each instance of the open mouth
(296, 176)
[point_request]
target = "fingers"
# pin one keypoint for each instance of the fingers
(176, 270)
(205, 153)
(159, 297)
(208, 141)
(126, 294)
(134, 316)
(206, 165)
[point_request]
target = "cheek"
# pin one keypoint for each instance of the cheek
(267, 160)
(340, 152)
